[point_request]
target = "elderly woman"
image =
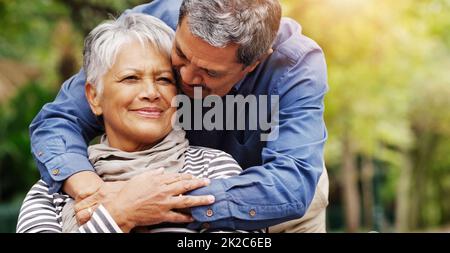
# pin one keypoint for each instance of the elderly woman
(130, 84)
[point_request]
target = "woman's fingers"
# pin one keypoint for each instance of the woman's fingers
(85, 215)
(87, 202)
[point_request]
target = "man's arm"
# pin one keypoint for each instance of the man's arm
(60, 134)
(283, 187)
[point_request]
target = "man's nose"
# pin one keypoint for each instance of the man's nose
(190, 76)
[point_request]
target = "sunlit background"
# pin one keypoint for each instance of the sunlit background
(387, 111)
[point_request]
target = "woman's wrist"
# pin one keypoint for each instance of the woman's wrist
(119, 216)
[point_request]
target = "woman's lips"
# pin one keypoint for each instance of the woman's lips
(149, 112)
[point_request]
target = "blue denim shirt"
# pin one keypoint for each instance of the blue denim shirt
(280, 176)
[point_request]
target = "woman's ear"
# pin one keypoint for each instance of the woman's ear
(93, 98)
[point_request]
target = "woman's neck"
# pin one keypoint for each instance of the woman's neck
(128, 144)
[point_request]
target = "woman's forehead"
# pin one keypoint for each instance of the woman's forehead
(136, 56)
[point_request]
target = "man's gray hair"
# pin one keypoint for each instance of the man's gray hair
(252, 24)
(104, 42)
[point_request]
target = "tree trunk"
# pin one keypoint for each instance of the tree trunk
(350, 187)
(403, 203)
(367, 191)
(421, 157)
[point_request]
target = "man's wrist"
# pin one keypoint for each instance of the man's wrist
(82, 184)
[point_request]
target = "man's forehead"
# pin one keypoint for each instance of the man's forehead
(194, 47)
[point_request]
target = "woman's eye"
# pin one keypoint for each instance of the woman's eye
(165, 80)
(130, 79)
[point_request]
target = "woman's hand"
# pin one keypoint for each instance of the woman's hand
(86, 205)
(152, 197)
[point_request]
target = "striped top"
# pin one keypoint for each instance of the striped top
(41, 211)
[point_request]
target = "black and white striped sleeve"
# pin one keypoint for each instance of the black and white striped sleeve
(40, 214)
(223, 165)
(101, 222)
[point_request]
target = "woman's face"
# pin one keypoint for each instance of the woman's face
(136, 98)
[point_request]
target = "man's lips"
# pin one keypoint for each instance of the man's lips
(149, 112)
(192, 86)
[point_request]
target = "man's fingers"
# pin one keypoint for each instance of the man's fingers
(174, 217)
(176, 177)
(162, 177)
(184, 186)
(182, 202)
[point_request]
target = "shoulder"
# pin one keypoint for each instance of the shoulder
(166, 10)
(207, 154)
(291, 43)
(298, 63)
(212, 163)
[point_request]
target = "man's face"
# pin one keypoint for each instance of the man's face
(199, 64)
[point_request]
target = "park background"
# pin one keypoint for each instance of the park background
(387, 111)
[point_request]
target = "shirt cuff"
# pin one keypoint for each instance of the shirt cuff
(204, 215)
(101, 222)
(64, 166)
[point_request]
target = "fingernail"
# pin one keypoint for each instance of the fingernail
(211, 199)
(207, 181)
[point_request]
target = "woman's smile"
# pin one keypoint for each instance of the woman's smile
(149, 112)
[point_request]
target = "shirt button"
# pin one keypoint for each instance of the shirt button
(206, 225)
(209, 213)
(40, 153)
(252, 213)
(55, 171)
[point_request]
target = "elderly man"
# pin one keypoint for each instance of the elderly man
(224, 48)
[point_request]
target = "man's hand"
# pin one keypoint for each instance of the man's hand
(151, 197)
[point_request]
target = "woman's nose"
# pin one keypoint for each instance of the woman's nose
(149, 91)
(190, 76)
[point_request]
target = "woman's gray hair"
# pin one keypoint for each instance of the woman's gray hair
(104, 42)
(252, 24)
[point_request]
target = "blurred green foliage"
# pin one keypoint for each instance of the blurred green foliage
(387, 110)
(47, 36)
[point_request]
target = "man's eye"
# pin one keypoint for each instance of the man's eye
(179, 53)
(212, 73)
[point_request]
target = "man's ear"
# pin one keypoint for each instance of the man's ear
(252, 67)
(93, 98)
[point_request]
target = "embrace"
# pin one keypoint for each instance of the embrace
(147, 174)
